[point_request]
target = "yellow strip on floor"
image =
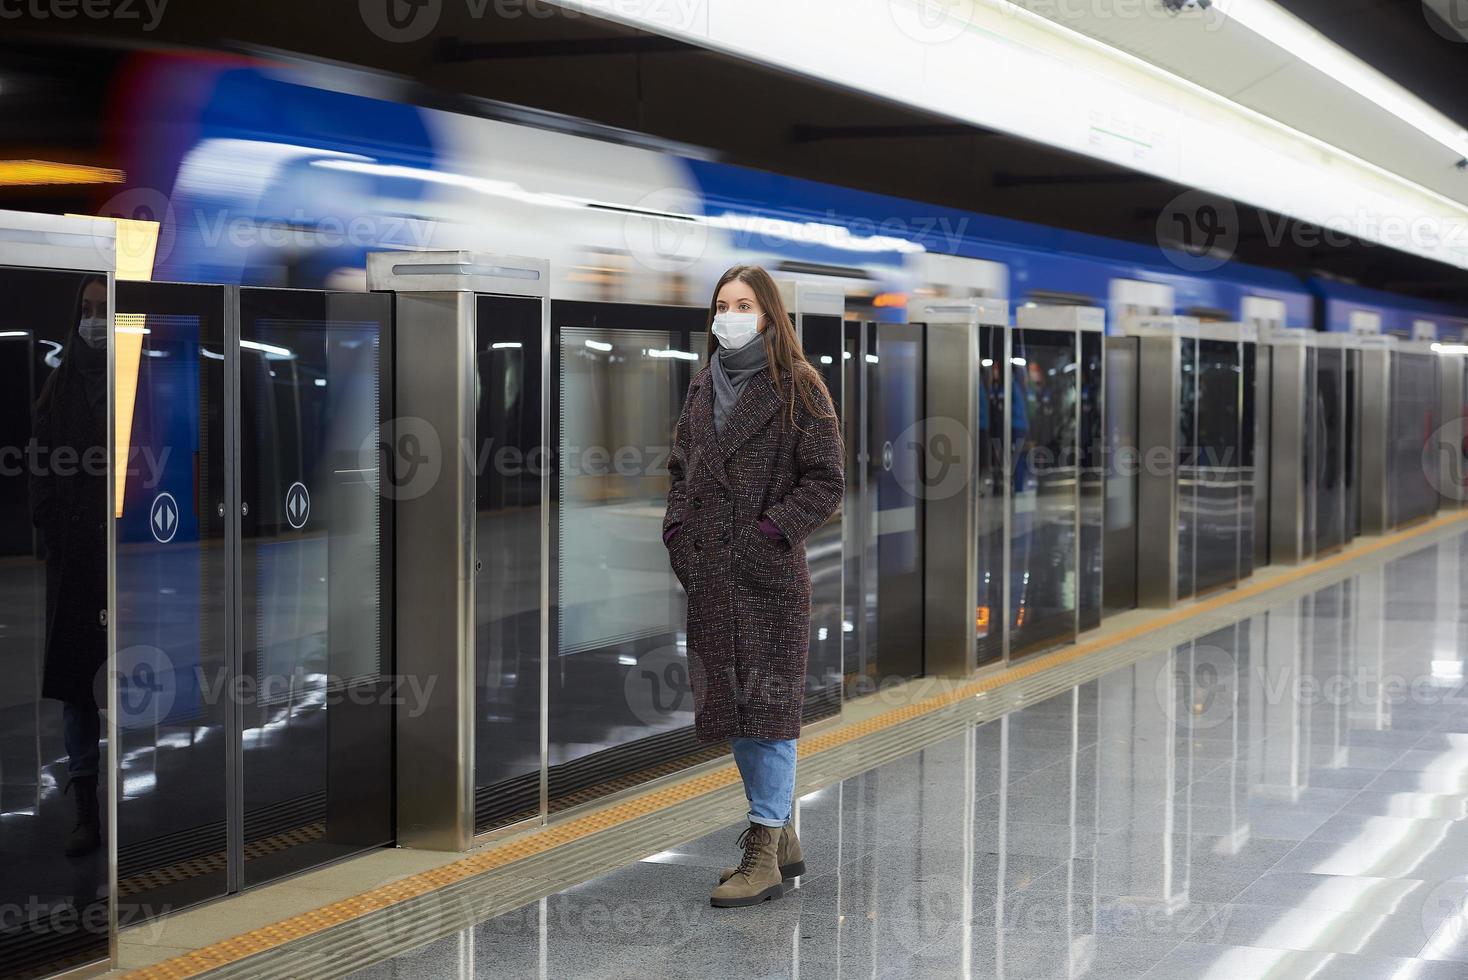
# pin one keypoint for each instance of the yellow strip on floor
(542, 840)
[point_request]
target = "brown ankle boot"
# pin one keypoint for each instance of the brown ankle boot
(758, 876)
(787, 854)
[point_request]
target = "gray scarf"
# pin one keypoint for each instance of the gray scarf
(731, 369)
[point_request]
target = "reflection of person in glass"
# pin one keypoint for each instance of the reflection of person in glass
(756, 467)
(68, 495)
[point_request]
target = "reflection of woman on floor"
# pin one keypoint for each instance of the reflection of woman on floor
(68, 491)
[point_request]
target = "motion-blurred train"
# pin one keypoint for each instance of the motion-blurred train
(276, 174)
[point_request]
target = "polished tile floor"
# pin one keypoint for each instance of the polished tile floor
(1285, 798)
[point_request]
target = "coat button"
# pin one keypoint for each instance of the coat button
(697, 503)
(724, 538)
(697, 545)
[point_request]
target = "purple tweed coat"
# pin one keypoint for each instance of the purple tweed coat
(748, 595)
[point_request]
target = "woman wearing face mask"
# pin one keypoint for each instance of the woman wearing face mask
(68, 498)
(756, 467)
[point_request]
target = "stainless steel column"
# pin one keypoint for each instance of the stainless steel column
(435, 526)
(1446, 448)
(1159, 359)
(1263, 441)
(950, 565)
(1290, 540)
(1374, 396)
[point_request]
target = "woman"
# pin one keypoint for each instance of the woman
(756, 467)
(68, 500)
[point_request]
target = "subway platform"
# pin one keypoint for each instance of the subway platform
(1268, 782)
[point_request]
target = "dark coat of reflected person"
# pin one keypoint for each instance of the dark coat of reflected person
(777, 457)
(68, 499)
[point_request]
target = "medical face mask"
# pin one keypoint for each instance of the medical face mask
(734, 330)
(93, 330)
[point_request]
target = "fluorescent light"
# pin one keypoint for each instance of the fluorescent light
(825, 358)
(34, 173)
(1018, 361)
(1281, 28)
(598, 345)
(1450, 348)
(506, 345)
(871, 358)
(682, 355)
(987, 362)
(808, 232)
(267, 349)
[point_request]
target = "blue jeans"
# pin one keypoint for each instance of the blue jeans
(767, 766)
(81, 730)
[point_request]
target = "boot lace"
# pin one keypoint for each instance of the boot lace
(754, 837)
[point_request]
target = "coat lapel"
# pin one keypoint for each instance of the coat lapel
(701, 430)
(757, 402)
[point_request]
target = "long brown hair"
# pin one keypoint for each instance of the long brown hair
(791, 372)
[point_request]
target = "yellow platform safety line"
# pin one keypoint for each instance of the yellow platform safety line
(547, 838)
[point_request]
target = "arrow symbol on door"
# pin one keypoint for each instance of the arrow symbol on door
(297, 505)
(163, 518)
